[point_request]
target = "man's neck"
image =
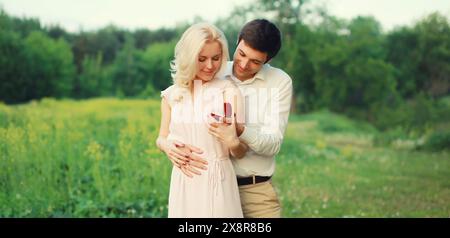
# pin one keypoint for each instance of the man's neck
(241, 79)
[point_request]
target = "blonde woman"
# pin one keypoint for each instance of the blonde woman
(203, 182)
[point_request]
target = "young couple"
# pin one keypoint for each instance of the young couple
(222, 123)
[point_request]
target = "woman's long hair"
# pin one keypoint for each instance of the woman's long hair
(184, 65)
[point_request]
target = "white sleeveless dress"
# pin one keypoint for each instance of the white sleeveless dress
(215, 192)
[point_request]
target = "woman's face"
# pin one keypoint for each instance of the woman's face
(209, 61)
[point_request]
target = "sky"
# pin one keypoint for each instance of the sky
(74, 15)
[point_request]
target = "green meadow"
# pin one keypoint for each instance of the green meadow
(97, 158)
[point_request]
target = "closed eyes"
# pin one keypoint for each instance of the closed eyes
(203, 58)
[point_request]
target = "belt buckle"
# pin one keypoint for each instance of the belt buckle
(254, 179)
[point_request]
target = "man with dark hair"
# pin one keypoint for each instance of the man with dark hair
(261, 35)
(268, 93)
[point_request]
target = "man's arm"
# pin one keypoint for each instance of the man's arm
(267, 140)
(226, 129)
(239, 151)
(226, 133)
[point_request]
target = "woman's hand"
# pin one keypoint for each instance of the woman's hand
(195, 161)
(225, 131)
(182, 156)
(171, 149)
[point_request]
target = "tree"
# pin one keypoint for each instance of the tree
(157, 59)
(56, 32)
(14, 79)
(434, 46)
(21, 26)
(402, 52)
(106, 41)
(421, 55)
(50, 66)
(287, 12)
(93, 79)
(144, 38)
(128, 72)
(232, 24)
(350, 71)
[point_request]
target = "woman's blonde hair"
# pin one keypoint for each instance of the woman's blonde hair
(184, 65)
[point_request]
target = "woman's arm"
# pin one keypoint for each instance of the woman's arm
(176, 156)
(178, 153)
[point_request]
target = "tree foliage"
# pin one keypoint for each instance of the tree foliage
(349, 66)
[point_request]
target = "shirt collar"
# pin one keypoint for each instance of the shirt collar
(260, 75)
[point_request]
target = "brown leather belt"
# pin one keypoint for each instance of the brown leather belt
(252, 180)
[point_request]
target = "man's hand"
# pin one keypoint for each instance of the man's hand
(239, 129)
(225, 131)
(195, 162)
(182, 156)
(171, 149)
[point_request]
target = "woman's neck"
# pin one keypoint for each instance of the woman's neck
(191, 89)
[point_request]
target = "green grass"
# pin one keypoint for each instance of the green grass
(97, 158)
(342, 174)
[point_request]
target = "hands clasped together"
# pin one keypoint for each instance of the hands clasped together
(188, 158)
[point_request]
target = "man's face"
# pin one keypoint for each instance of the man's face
(247, 61)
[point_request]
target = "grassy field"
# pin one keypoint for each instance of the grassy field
(97, 158)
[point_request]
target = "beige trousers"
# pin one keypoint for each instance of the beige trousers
(260, 200)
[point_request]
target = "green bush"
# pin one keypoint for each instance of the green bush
(387, 137)
(437, 141)
(417, 114)
(330, 122)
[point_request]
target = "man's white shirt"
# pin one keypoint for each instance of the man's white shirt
(268, 97)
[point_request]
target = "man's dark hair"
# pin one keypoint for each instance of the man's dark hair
(261, 35)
